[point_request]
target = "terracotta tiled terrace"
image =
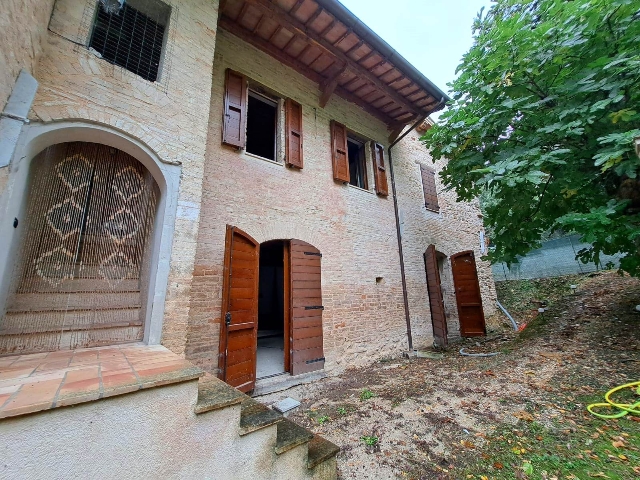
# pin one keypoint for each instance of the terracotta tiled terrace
(41, 381)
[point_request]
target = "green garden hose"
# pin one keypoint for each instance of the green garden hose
(624, 408)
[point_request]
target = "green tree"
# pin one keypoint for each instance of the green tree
(543, 118)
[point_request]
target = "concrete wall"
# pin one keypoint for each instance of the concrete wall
(153, 433)
(354, 229)
(169, 116)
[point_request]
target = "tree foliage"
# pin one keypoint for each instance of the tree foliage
(543, 118)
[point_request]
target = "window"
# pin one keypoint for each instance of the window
(429, 188)
(262, 118)
(131, 34)
(357, 166)
(350, 156)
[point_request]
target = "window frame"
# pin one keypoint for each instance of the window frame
(253, 92)
(363, 143)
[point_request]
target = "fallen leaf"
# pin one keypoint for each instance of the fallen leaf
(598, 475)
(498, 465)
(522, 415)
(618, 444)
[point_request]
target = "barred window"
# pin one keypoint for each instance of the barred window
(131, 33)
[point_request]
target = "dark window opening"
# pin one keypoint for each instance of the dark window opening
(357, 165)
(261, 126)
(132, 36)
(270, 353)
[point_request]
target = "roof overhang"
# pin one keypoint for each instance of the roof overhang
(328, 44)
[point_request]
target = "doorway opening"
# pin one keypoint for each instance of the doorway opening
(273, 338)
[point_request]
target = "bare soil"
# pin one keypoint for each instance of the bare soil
(456, 417)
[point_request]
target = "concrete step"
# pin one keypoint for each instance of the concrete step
(290, 435)
(67, 340)
(35, 285)
(255, 415)
(320, 451)
(20, 323)
(214, 394)
(29, 302)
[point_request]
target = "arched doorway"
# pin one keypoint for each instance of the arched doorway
(83, 266)
(271, 309)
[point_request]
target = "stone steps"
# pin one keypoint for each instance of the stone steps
(214, 394)
(37, 285)
(40, 302)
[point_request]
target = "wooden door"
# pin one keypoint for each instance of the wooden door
(239, 321)
(307, 354)
(465, 279)
(436, 302)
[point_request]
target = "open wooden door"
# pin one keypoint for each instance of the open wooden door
(238, 331)
(465, 279)
(307, 354)
(436, 302)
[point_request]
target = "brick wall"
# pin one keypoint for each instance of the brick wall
(454, 229)
(354, 229)
(170, 117)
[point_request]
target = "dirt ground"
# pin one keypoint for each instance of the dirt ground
(520, 414)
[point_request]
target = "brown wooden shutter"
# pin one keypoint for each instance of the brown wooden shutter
(468, 296)
(234, 122)
(379, 170)
(429, 188)
(339, 152)
(294, 133)
(239, 320)
(307, 352)
(436, 302)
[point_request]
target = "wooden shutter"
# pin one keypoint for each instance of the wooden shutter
(239, 321)
(436, 303)
(468, 297)
(234, 122)
(294, 133)
(339, 152)
(379, 170)
(307, 352)
(429, 188)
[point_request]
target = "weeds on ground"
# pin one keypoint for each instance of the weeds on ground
(592, 448)
(369, 441)
(323, 419)
(366, 394)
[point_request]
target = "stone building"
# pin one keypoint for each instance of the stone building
(242, 183)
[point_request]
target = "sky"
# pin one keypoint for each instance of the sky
(431, 34)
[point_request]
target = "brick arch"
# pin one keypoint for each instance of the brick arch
(284, 231)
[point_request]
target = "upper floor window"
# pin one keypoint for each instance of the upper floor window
(131, 34)
(357, 166)
(262, 119)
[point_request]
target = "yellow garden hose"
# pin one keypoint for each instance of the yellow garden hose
(624, 408)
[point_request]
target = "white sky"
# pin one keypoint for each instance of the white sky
(431, 34)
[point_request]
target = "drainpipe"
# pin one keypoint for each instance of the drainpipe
(405, 296)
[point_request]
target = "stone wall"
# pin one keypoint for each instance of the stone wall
(454, 229)
(170, 116)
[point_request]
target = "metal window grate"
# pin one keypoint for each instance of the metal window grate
(132, 36)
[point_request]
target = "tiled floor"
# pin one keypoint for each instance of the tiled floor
(31, 383)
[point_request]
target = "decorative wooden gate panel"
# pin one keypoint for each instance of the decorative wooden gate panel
(436, 303)
(465, 279)
(90, 214)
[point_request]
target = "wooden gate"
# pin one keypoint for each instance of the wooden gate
(436, 302)
(307, 354)
(239, 321)
(465, 279)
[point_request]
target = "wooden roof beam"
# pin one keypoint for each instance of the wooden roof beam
(328, 86)
(231, 26)
(291, 23)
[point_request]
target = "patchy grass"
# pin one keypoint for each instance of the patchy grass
(366, 394)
